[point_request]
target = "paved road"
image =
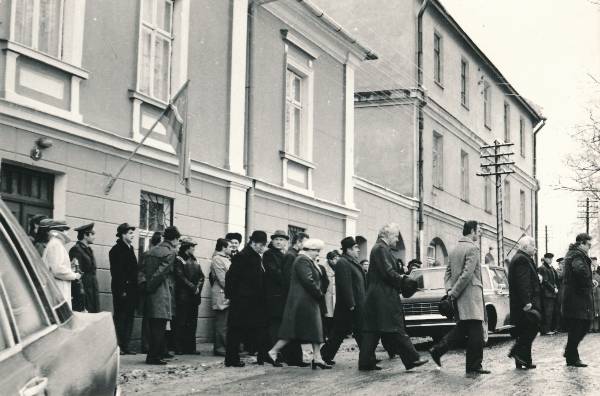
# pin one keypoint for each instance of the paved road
(207, 375)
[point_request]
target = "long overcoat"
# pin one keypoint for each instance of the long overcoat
(351, 284)
(523, 286)
(188, 277)
(383, 308)
(245, 289)
(577, 281)
(274, 283)
(302, 314)
(219, 266)
(124, 274)
(549, 281)
(87, 265)
(463, 280)
(330, 292)
(158, 272)
(288, 265)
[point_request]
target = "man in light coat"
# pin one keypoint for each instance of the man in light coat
(220, 304)
(464, 285)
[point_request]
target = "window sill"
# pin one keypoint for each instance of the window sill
(133, 94)
(439, 84)
(440, 188)
(489, 128)
(465, 106)
(17, 48)
(296, 159)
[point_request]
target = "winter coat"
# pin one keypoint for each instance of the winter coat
(123, 272)
(523, 286)
(549, 281)
(463, 280)
(596, 294)
(87, 264)
(218, 268)
(158, 272)
(383, 308)
(577, 281)
(188, 278)
(57, 259)
(302, 314)
(274, 283)
(351, 285)
(286, 270)
(245, 288)
(330, 292)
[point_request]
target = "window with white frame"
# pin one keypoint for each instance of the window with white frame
(488, 194)
(438, 160)
(464, 176)
(464, 83)
(522, 136)
(38, 24)
(294, 128)
(506, 203)
(487, 105)
(155, 38)
(437, 58)
(506, 122)
(156, 214)
(522, 209)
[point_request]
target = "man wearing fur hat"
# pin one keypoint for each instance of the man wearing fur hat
(274, 285)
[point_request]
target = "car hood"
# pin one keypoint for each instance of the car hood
(434, 295)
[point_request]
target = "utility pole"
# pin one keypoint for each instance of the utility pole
(495, 161)
(587, 208)
(546, 251)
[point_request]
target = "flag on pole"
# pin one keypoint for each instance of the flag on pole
(176, 126)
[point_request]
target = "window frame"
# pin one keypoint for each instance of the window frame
(522, 142)
(487, 105)
(507, 137)
(145, 233)
(464, 176)
(438, 158)
(438, 58)
(35, 27)
(155, 30)
(464, 83)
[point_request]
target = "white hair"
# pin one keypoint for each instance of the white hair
(389, 230)
(313, 244)
(526, 242)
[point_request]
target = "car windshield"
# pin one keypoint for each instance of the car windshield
(429, 279)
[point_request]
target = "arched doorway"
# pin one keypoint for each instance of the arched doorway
(437, 254)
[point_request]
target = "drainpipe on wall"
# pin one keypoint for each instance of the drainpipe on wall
(420, 103)
(537, 128)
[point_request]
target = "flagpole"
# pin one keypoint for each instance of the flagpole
(114, 178)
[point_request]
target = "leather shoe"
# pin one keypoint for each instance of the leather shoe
(301, 364)
(417, 363)
(156, 362)
(370, 368)
(435, 355)
(478, 372)
(329, 362)
(235, 364)
(578, 363)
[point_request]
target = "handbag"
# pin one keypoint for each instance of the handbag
(448, 307)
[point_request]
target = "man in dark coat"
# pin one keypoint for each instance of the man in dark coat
(383, 313)
(549, 293)
(577, 306)
(273, 263)
(123, 272)
(235, 238)
(87, 265)
(292, 353)
(525, 302)
(158, 307)
(245, 288)
(350, 294)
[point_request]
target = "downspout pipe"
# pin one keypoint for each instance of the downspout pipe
(421, 102)
(537, 128)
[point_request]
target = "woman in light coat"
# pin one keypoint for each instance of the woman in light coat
(302, 314)
(220, 304)
(56, 258)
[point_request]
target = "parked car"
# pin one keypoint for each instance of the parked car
(422, 316)
(45, 348)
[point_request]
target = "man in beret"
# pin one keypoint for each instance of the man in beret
(549, 293)
(123, 272)
(350, 283)
(273, 263)
(236, 239)
(90, 298)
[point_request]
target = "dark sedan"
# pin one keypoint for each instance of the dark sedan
(421, 310)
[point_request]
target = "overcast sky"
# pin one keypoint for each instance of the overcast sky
(545, 48)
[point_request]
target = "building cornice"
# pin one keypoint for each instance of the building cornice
(385, 193)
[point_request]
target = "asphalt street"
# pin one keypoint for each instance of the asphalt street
(205, 374)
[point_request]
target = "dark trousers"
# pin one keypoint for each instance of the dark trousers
(335, 340)
(292, 353)
(156, 339)
(548, 314)
(525, 333)
(328, 326)
(123, 312)
(257, 336)
(77, 296)
(185, 324)
(274, 324)
(577, 329)
(473, 331)
(399, 342)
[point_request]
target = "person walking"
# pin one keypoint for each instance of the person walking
(87, 265)
(189, 281)
(302, 314)
(219, 266)
(383, 312)
(464, 285)
(549, 293)
(273, 263)
(158, 308)
(578, 301)
(56, 257)
(525, 302)
(245, 288)
(124, 278)
(351, 286)
(596, 294)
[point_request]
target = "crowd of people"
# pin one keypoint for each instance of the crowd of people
(271, 295)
